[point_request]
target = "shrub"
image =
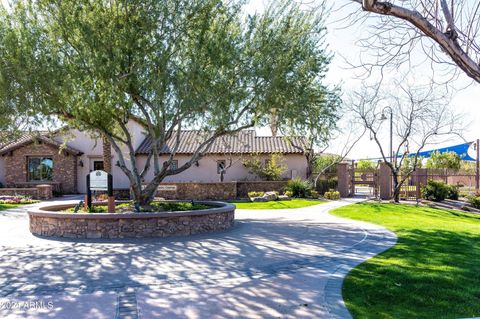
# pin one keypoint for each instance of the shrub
(324, 185)
(475, 201)
(288, 193)
(255, 194)
(17, 199)
(435, 191)
(270, 169)
(314, 194)
(101, 197)
(299, 188)
(332, 194)
(453, 192)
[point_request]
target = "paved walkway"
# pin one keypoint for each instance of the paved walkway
(274, 264)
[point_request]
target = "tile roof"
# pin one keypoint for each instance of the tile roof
(244, 142)
(26, 138)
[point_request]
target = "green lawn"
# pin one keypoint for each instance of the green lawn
(432, 272)
(8, 206)
(294, 203)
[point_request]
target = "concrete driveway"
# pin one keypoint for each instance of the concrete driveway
(273, 264)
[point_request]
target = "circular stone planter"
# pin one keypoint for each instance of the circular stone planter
(48, 221)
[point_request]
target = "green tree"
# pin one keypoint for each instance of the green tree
(270, 169)
(171, 65)
(409, 165)
(468, 167)
(15, 114)
(449, 160)
(366, 165)
(324, 162)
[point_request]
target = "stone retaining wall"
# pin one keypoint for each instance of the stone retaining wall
(218, 190)
(44, 192)
(199, 191)
(131, 225)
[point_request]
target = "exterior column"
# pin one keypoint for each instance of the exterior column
(385, 181)
(343, 179)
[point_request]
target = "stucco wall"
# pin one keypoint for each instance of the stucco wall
(206, 171)
(91, 146)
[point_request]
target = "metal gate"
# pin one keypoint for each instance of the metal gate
(364, 182)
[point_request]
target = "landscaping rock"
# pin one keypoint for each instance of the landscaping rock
(258, 199)
(269, 196)
(284, 197)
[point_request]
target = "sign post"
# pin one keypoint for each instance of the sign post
(100, 181)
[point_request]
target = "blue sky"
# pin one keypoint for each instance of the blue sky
(343, 43)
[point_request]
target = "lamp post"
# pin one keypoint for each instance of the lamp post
(384, 117)
(392, 158)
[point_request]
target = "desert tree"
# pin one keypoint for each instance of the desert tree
(317, 123)
(170, 65)
(15, 116)
(446, 32)
(270, 169)
(420, 115)
(447, 160)
(317, 127)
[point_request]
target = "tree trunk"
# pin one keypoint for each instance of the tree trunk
(310, 156)
(145, 197)
(107, 155)
(396, 188)
(273, 121)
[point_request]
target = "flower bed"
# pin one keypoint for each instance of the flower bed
(18, 200)
(154, 207)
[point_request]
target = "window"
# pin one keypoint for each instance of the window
(98, 165)
(220, 166)
(174, 165)
(40, 169)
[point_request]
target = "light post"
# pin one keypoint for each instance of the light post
(384, 117)
(392, 158)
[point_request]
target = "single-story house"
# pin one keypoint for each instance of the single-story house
(64, 158)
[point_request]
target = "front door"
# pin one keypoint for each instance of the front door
(98, 165)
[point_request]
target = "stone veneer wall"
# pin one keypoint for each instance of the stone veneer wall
(64, 167)
(200, 191)
(219, 190)
(132, 227)
(259, 186)
(29, 192)
(44, 192)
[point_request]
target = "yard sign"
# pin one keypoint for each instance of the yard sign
(100, 181)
